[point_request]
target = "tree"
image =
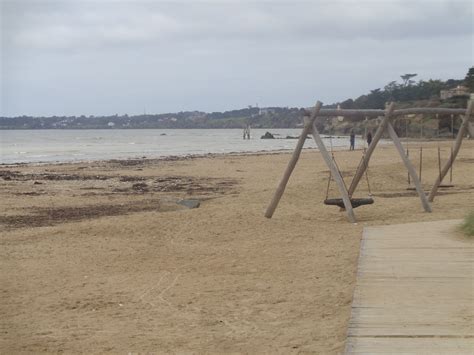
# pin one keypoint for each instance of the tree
(348, 104)
(406, 79)
(376, 99)
(392, 89)
(469, 80)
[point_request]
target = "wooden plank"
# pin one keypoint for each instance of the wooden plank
(411, 169)
(407, 299)
(335, 173)
(385, 292)
(395, 345)
(403, 255)
(457, 145)
(292, 163)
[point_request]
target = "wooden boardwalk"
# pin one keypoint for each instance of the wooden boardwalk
(414, 291)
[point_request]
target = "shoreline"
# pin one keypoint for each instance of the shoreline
(382, 142)
(93, 146)
(151, 159)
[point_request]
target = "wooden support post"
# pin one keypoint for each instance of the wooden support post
(292, 163)
(451, 168)
(439, 160)
(335, 173)
(409, 166)
(421, 162)
(365, 164)
(457, 145)
(408, 174)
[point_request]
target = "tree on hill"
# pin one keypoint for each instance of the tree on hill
(407, 79)
(469, 80)
(407, 91)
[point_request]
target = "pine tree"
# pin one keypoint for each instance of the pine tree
(469, 80)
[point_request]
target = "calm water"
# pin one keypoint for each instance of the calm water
(20, 146)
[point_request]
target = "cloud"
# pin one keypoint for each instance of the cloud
(117, 56)
(82, 25)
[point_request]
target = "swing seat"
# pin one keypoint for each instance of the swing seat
(355, 202)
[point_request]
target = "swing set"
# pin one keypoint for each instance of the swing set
(355, 202)
(420, 168)
(346, 201)
(420, 157)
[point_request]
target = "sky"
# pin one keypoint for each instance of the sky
(82, 57)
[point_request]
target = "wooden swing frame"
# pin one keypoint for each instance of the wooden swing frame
(385, 126)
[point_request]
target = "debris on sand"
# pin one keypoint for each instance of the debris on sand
(190, 203)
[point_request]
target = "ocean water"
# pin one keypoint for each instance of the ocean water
(34, 146)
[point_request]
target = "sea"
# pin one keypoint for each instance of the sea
(46, 146)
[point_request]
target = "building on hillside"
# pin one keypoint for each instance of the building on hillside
(266, 111)
(457, 91)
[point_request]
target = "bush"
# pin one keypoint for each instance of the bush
(468, 225)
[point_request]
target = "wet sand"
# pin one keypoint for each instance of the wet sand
(99, 257)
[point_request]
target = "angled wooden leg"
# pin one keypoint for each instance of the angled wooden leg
(378, 134)
(335, 173)
(457, 145)
(292, 163)
(409, 166)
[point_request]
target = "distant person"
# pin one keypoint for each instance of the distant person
(353, 137)
(247, 132)
(369, 138)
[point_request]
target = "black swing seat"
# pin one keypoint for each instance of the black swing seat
(355, 202)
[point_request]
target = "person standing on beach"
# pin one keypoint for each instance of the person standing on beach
(247, 132)
(352, 140)
(369, 138)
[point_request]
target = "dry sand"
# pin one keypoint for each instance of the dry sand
(99, 258)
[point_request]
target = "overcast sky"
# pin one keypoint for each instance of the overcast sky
(74, 57)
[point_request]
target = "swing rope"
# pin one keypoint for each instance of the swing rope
(339, 171)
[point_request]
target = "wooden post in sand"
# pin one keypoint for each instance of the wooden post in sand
(292, 163)
(365, 163)
(409, 166)
(457, 145)
(335, 173)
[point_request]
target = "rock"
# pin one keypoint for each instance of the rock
(37, 183)
(163, 134)
(267, 135)
(190, 203)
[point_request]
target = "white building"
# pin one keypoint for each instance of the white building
(457, 91)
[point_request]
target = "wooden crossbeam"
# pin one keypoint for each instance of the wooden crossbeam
(377, 112)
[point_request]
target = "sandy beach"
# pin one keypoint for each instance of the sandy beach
(99, 258)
